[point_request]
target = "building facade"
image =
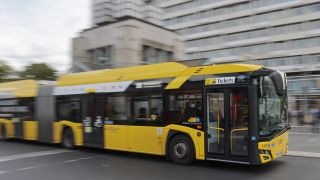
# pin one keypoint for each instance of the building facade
(104, 11)
(125, 42)
(124, 33)
(282, 34)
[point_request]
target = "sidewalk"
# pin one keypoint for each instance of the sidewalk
(305, 129)
(304, 144)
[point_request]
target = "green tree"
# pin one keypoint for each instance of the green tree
(38, 71)
(5, 71)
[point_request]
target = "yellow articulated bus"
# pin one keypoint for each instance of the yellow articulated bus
(228, 112)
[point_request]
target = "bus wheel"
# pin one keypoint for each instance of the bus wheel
(3, 135)
(68, 140)
(181, 150)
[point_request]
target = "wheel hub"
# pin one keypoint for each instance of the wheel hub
(180, 150)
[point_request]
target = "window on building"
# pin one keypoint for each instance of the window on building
(102, 55)
(154, 55)
(313, 83)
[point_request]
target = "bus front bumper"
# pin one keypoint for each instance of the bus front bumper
(277, 147)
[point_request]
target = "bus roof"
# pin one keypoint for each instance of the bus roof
(23, 88)
(180, 72)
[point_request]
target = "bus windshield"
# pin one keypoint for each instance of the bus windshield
(272, 108)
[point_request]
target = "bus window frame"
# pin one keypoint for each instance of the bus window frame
(123, 95)
(31, 108)
(68, 99)
(187, 88)
(136, 92)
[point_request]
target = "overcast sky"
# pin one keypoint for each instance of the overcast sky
(41, 30)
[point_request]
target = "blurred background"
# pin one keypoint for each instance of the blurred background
(42, 39)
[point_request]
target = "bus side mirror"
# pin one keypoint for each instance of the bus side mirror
(278, 79)
(261, 87)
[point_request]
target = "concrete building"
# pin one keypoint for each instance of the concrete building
(104, 11)
(125, 42)
(283, 34)
(124, 33)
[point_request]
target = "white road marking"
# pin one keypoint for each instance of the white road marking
(33, 154)
(303, 154)
(84, 158)
(73, 160)
(27, 168)
(50, 164)
(3, 172)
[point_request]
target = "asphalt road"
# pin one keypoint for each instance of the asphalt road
(33, 161)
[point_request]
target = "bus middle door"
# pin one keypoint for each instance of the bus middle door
(93, 121)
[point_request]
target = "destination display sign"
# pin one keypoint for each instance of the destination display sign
(220, 81)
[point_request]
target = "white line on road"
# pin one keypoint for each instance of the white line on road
(303, 154)
(27, 168)
(73, 160)
(33, 154)
(49, 164)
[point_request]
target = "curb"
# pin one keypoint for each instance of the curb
(303, 154)
(298, 133)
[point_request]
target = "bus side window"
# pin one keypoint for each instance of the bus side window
(69, 111)
(148, 108)
(118, 108)
(185, 108)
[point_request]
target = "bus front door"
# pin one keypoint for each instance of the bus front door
(227, 124)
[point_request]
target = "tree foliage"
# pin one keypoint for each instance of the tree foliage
(38, 71)
(5, 71)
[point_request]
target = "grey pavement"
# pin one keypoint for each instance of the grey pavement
(51, 163)
(304, 142)
(304, 139)
(305, 129)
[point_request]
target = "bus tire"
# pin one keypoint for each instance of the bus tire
(68, 139)
(181, 150)
(3, 133)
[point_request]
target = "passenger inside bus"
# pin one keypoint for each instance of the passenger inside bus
(142, 113)
(192, 111)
